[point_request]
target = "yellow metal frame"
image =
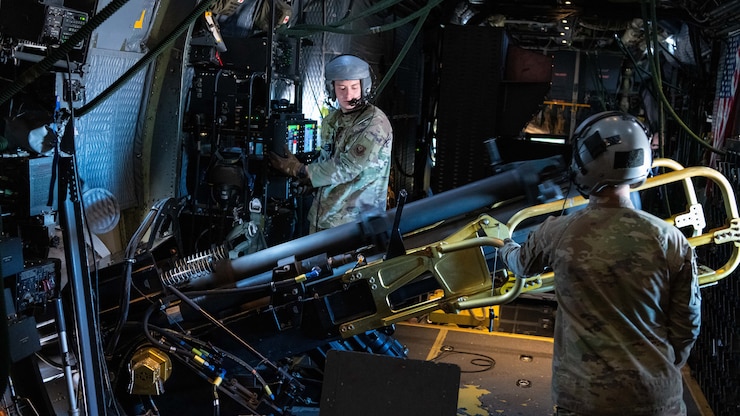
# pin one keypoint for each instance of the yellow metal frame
(459, 266)
(457, 263)
(729, 232)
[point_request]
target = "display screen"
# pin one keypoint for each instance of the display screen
(300, 136)
(294, 138)
(309, 138)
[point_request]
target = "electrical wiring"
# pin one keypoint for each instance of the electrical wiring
(310, 28)
(205, 356)
(126, 284)
(479, 360)
(657, 79)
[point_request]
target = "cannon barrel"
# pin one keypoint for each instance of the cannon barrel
(417, 214)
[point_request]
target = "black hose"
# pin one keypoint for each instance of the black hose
(150, 56)
(128, 272)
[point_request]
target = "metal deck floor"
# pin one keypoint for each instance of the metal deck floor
(502, 373)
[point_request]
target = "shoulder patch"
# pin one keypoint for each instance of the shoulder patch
(359, 150)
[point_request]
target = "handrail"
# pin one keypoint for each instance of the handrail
(730, 232)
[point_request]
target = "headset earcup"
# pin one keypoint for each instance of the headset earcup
(577, 167)
(329, 85)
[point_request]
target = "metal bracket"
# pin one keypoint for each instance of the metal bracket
(731, 233)
(693, 218)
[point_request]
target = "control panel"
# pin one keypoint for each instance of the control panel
(300, 134)
(29, 28)
(61, 23)
(37, 284)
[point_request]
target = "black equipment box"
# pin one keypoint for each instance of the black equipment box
(399, 385)
(24, 338)
(528, 317)
(38, 27)
(11, 256)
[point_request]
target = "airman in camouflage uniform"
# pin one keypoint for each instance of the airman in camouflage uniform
(628, 300)
(353, 169)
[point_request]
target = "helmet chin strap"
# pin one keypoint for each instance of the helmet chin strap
(580, 189)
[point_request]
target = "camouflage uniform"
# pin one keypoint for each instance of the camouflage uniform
(628, 307)
(353, 168)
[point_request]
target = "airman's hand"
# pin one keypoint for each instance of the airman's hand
(289, 165)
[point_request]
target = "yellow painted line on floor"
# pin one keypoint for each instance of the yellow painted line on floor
(438, 342)
(468, 401)
(481, 332)
(696, 393)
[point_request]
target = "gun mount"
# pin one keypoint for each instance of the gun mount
(262, 337)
